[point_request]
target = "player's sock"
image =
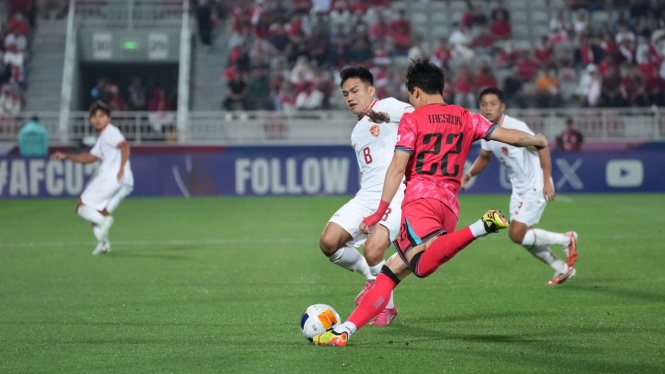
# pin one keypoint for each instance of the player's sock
(97, 230)
(441, 251)
(542, 237)
(346, 327)
(543, 253)
(375, 300)
(349, 258)
(478, 229)
(90, 214)
(391, 303)
(375, 270)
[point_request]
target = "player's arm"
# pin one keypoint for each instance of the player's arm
(479, 165)
(83, 158)
(518, 138)
(124, 156)
(394, 177)
(546, 165)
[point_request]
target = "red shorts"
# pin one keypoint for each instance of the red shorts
(422, 220)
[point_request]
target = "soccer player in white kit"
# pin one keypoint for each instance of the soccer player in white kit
(530, 173)
(114, 180)
(373, 139)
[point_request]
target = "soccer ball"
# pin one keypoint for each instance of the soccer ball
(317, 319)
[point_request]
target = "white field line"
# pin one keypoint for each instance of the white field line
(137, 243)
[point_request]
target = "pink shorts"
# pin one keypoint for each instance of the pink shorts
(422, 220)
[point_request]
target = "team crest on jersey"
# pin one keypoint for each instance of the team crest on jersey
(504, 150)
(375, 130)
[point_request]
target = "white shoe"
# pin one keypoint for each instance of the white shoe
(106, 227)
(101, 248)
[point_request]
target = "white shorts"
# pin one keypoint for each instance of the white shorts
(527, 208)
(102, 189)
(352, 214)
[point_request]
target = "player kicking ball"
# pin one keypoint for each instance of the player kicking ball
(432, 146)
(114, 180)
(530, 173)
(373, 139)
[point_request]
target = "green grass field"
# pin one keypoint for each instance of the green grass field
(218, 285)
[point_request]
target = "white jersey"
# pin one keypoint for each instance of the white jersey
(106, 149)
(522, 164)
(375, 144)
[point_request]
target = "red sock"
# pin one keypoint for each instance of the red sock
(442, 249)
(374, 301)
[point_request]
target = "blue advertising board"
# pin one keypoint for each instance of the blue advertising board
(309, 170)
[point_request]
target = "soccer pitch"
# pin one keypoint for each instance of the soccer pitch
(219, 284)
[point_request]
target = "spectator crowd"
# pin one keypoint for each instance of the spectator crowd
(289, 59)
(14, 53)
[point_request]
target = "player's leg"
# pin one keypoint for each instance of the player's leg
(115, 200)
(333, 244)
(526, 212)
(375, 250)
(93, 200)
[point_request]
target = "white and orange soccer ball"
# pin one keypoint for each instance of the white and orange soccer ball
(317, 319)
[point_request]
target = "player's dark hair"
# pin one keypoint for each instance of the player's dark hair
(426, 76)
(99, 105)
(359, 72)
(491, 91)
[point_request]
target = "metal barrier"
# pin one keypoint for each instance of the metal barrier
(324, 127)
(128, 14)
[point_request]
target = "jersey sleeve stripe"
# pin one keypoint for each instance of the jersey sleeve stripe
(488, 135)
(404, 149)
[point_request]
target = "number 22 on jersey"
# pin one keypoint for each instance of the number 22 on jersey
(436, 139)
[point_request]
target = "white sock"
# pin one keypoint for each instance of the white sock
(375, 270)
(349, 258)
(391, 304)
(544, 254)
(478, 229)
(542, 237)
(97, 230)
(347, 327)
(90, 214)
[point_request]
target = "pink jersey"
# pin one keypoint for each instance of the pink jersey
(438, 137)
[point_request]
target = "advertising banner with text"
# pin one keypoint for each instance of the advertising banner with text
(309, 170)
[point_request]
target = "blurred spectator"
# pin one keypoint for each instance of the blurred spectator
(544, 52)
(99, 91)
(17, 39)
(500, 11)
(379, 30)
(340, 16)
(633, 88)
(10, 100)
(318, 46)
(500, 28)
(338, 54)
(465, 88)
(461, 40)
(589, 88)
(570, 139)
(137, 94)
(360, 52)
(418, 49)
(441, 54)
(279, 41)
(236, 93)
(611, 96)
(508, 56)
(479, 17)
(33, 139)
(400, 33)
(559, 28)
(485, 77)
(483, 43)
(161, 112)
(512, 89)
(203, 19)
(467, 16)
(17, 22)
(320, 22)
(624, 34)
(116, 103)
(310, 98)
(580, 24)
(548, 89)
(526, 67)
(239, 38)
(259, 91)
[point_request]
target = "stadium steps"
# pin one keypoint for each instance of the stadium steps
(207, 67)
(45, 68)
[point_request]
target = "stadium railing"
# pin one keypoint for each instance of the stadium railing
(128, 14)
(325, 127)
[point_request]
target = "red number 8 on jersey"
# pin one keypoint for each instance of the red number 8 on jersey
(368, 156)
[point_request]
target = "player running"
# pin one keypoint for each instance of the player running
(373, 139)
(431, 149)
(530, 173)
(114, 180)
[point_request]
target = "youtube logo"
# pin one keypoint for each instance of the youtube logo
(624, 173)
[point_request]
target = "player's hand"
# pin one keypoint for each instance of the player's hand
(543, 142)
(377, 117)
(58, 156)
(369, 222)
(364, 229)
(465, 179)
(121, 174)
(548, 191)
